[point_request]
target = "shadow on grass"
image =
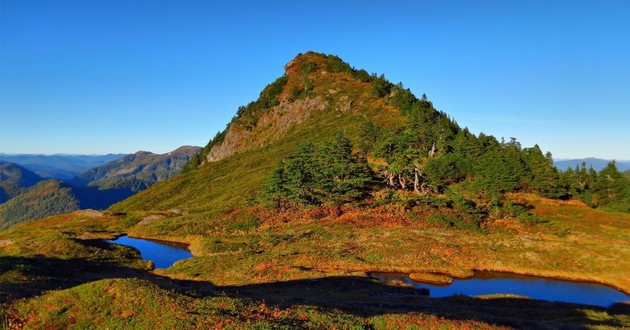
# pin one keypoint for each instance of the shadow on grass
(352, 294)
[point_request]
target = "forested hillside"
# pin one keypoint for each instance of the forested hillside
(137, 171)
(392, 147)
(45, 198)
(97, 188)
(14, 179)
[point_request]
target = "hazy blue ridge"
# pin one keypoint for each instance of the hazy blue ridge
(596, 163)
(59, 166)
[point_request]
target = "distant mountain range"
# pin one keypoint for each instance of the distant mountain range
(27, 196)
(596, 163)
(14, 179)
(64, 167)
(137, 171)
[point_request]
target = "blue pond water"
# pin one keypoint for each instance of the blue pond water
(539, 288)
(163, 254)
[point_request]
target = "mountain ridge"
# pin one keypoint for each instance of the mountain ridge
(58, 166)
(596, 163)
(15, 178)
(137, 171)
(96, 188)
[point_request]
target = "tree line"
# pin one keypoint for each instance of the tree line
(430, 155)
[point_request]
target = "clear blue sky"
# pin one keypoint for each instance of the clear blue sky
(116, 76)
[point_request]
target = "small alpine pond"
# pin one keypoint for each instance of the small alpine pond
(163, 254)
(540, 288)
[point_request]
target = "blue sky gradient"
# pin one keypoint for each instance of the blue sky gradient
(112, 76)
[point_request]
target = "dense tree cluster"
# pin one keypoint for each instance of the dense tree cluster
(432, 156)
(312, 175)
(431, 153)
(606, 188)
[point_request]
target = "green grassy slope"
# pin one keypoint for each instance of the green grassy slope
(215, 185)
(254, 267)
(285, 279)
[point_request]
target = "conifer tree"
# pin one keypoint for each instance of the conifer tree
(302, 175)
(276, 190)
(611, 187)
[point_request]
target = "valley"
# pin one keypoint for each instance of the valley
(26, 196)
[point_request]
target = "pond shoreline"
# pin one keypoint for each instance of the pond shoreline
(486, 283)
(455, 274)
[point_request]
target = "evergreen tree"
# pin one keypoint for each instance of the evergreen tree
(332, 173)
(446, 170)
(276, 190)
(543, 176)
(302, 175)
(368, 137)
(345, 176)
(611, 187)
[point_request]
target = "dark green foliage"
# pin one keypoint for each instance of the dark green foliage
(404, 100)
(14, 179)
(199, 158)
(345, 175)
(300, 93)
(44, 199)
(369, 135)
(336, 64)
(499, 170)
(362, 75)
(195, 161)
(608, 188)
(217, 139)
(380, 86)
(612, 189)
(446, 170)
(543, 176)
(311, 176)
(429, 157)
(302, 175)
(276, 190)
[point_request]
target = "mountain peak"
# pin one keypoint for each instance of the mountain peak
(185, 150)
(312, 83)
(309, 61)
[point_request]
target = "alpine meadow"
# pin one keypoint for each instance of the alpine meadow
(296, 214)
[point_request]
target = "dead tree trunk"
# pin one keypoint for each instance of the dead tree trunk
(416, 181)
(402, 181)
(390, 179)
